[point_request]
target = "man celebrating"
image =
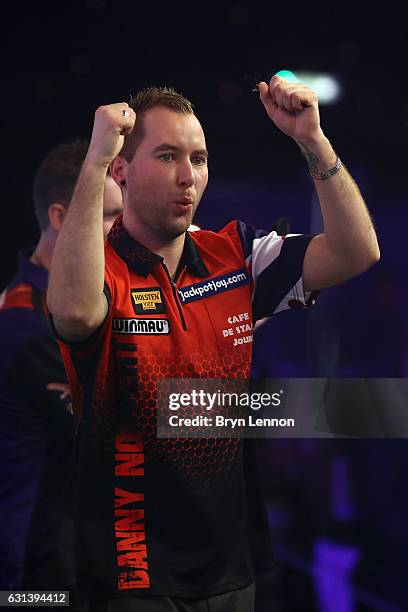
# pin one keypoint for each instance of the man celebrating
(163, 524)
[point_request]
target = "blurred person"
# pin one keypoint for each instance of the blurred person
(112, 203)
(36, 424)
(167, 524)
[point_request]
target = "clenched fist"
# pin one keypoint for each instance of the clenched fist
(293, 107)
(111, 123)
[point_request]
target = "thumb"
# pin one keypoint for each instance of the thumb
(263, 91)
(268, 102)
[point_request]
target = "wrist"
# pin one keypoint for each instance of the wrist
(94, 165)
(317, 144)
(320, 156)
(325, 174)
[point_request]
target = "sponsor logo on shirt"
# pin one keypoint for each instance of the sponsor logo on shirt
(149, 300)
(141, 327)
(215, 285)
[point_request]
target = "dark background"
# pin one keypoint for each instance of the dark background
(61, 60)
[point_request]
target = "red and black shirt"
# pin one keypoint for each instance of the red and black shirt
(159, 516)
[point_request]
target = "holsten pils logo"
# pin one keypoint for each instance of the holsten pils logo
(141, 327)
(149, 300)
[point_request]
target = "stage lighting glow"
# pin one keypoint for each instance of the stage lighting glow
(326, 86)
(288, 75)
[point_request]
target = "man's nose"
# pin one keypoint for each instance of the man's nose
(185, 173)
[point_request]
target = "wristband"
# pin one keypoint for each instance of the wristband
(320, 176)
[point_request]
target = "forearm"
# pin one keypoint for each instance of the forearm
(77, 271)
(348, 228)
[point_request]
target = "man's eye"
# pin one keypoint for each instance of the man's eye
(200, 161)
(167, 156)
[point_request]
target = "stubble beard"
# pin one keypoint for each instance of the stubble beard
(176, 229)
(157, 225)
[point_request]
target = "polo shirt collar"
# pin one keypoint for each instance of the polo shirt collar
(142, 260)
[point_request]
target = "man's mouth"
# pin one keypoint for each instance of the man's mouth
(183, 207)
(184, 201)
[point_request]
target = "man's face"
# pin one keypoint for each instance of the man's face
(168, 174)
(112, 203)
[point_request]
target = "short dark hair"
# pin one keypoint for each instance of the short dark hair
(56, 178)
(143, 101)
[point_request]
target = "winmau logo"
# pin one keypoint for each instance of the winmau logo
(141, 326)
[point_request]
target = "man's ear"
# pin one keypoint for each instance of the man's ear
(56, 215)
(118, 170)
